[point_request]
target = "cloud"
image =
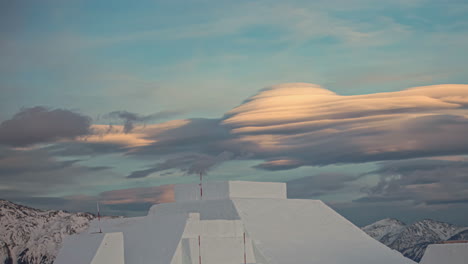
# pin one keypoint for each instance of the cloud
(292, 125)
(317, 185)
(130, 119)
(175, 136)
(153, 194)
(421, 181)
(37, 172)
(299, 124)
(191, 164)
(279, 164)
(39, 124)
(131, 201)
(314, 126)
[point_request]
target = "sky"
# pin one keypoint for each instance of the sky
(362, 104)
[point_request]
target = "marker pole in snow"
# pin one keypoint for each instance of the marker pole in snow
(99, 217)
(199, 250)
(201, 186)
(245, 255)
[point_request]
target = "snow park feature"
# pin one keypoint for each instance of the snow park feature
(455, 252)
(233, 222)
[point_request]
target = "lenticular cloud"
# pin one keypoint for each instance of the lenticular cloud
(315, 126)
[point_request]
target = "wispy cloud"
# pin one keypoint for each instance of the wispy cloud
(422, 181)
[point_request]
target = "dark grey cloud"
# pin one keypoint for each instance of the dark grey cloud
(427, 182)
(131, 119)
(126, 202)
(191, 164)
(320, 184)
(363, 214)
(434, 135)
(197, 135)
(279, 164)
(36, 172)
(39, 124)
(84, 148)
(447, 201)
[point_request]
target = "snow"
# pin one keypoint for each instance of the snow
(146, 239)
(277, 231)
(446, 253)
(307, 231)
(221, 241)
(386, 228)
(111, 250)
(87, 246)
(34, 236)
(93, 248)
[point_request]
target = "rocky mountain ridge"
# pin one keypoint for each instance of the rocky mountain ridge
(29, 235)
(412, 240)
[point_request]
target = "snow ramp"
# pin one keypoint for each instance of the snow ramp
(309, 232)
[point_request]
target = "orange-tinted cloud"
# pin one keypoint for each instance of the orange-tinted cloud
(312, 125)
(154, 195)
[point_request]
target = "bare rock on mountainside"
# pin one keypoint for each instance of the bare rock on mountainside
(386, 230)
(462, 235)
(30, 235)
(412, 240)
(5, 257)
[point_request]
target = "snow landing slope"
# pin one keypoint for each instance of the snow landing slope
(412, 240)
(234, 222)
(30, 236)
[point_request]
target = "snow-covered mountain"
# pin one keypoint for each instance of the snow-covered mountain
(462, 235)
(386, 230)
(30, 236)
(412, 240)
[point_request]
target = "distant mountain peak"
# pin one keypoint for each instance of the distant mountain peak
(384, 229)
(389, 221)
(412, 240)
(29, 235)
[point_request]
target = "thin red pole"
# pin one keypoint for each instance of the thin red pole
(199, 250)
(201, 186)
(99, 217)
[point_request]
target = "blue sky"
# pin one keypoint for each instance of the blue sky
(200, 59)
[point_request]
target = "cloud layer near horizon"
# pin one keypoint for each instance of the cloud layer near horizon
(287, 126)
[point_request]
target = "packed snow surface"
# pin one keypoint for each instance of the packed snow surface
(308, 231)
(446, 253)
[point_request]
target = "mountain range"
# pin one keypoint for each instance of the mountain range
(412, 240)
(32, 236)
(29, 235)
